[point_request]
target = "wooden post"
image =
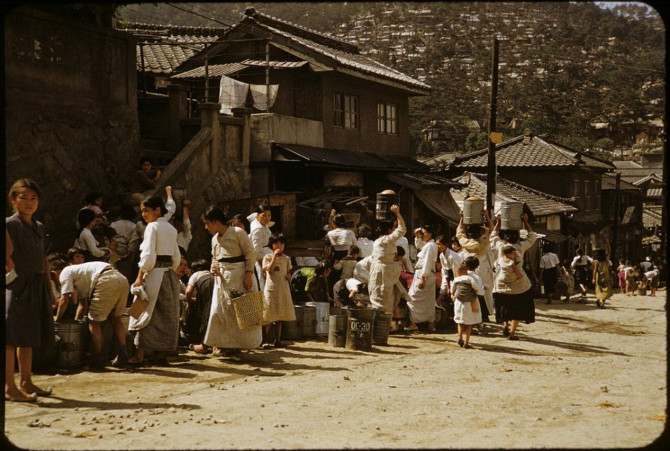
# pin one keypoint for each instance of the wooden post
(615, 224)
(491, 173)
(207, 76)
(267, 76)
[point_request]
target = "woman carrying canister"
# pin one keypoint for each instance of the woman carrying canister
(384, 270)
(422, 291)
(475, 241)
(158, 326)
(512, 288)
(28, 297)
(233, 259)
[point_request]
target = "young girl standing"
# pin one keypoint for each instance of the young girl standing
(28, 298)
(278, 303)
(467, 313)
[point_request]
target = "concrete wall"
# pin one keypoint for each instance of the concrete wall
(71, 121)
(268, 127)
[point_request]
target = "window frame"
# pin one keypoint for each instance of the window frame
(346, 111)
(387, 118)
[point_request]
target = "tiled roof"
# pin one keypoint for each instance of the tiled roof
(530, 151)
(539, 203)
(423, 180)
(609, 183)
(626, 164)
(651, 177)
(274, 64)
(328, 51)
(441, 160)
(520, 152)
(165, 47)
(213, 70)
(651, 218)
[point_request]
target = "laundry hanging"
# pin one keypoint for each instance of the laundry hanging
(232, 94)
(260, 96)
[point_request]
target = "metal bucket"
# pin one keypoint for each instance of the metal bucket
(71, 344)
(337, 328)
(308, 321)
(472, 210)
(292, 330)
(360, 324)
(510, 215)
(381, 328)
(322, 316)
(384, 202)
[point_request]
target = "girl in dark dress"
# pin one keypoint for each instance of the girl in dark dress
(28, 298)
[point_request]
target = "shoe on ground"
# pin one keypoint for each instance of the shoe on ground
(513, 338)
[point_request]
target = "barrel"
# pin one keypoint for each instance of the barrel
(472, 210)
(381, 328)
(322, 316)
(510, 215)
(71, 344)
(292, 330)
(337, 328)
(384, 202)
(359, 329)
(308, 321)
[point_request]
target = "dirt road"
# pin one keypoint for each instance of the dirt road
(580, 377)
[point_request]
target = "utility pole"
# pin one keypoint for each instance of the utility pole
(491, 174)
(207, 74)
(267, 76)
(615, 224)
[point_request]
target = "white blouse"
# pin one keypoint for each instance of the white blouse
(160, 238)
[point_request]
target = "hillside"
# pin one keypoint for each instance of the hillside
(563, 67)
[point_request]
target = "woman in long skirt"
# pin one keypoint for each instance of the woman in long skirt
(421, 305)
(601, 275)
(512, 288)
(233, 259)
(158, 326)
(28, 299)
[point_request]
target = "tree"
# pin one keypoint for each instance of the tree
(476, 141)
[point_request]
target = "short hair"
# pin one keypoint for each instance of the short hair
(508, 248)
(243, 219)
(600, 255)
(441, 239)
(200, 265)
(127, 212)
(548, 247)
(85, 217)
(384, 226)
(340, 220)
(277, 238)
(22, 185)
(72, 252)
(471, 262)
(353, 249)
(58, 262)
(262, 208)
(580, 252)
(456, 241)
(365, 231)
(155, 202)
(214, 213)
(473, 231)
(400, 252)
(145, 160)
(511, 236)
(428, 229)
(322, 267)
(91, 197)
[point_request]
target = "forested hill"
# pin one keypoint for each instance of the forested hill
(563, 66)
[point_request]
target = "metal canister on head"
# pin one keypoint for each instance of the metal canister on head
(510, 215)
(385, 200)
(472, 211)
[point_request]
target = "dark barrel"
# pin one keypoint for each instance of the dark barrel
(384, 202)
(381, 328)
(308, 321)
(71, 344)
(337, 327)
(359, 329)
(292, 330)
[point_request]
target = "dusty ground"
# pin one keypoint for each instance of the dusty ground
(580, 377)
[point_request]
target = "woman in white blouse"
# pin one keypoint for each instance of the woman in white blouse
(340, 238)
(158, 326)
(422, 292)
(85, 239)
(259, 234)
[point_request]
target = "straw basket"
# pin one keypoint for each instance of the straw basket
(249, 309)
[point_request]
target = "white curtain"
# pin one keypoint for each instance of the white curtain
(232, 94)
(260, 96)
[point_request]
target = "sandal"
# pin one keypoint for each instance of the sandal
(135, 363)
(467, 346)
(199, 350)
(598, 304)
(267, 346)
(460, 343)
(46, 392)
(513, 338)
(31, 398)
(279, 344)
(506, 331)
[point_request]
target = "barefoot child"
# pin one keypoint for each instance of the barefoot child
(277, 293)
(467, 312)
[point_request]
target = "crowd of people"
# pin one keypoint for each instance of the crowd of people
(134, 261)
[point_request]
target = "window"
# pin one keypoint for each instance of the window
(575, 193)
(598, 193)
(387, 119)
(587, 195)
(346, 111)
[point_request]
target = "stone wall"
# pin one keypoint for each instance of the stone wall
(71, 113)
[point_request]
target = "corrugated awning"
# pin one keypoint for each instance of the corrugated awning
(550, 235)
(345, 159)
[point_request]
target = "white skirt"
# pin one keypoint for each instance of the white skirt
(463, 313)
(422, 304)
(222, 329)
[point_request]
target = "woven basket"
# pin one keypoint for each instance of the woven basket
(249, 309)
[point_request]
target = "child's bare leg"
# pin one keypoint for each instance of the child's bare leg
(468, 331)
(10, 385)
(26, 371)
(514, 325)
(277, 332)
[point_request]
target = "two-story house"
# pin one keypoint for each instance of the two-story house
(337, 120)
